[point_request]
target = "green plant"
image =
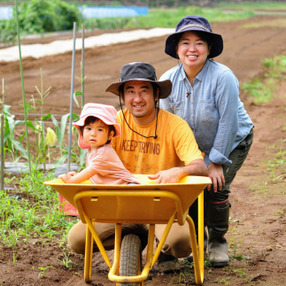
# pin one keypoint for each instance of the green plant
(8, 33)
(43, 270)
(12, 145)
(262, 88)
(35, 215)
(39, 16)
(66, 258)
(15, 257)
(240, 272)
(276, 67)
(43, 141)
(81, 79)
(258, 90)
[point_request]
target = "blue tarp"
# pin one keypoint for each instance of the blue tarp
(107, 12)
(6, 12)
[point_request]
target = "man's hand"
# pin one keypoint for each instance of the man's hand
(169, 176)
(173, 175)
(215, 172)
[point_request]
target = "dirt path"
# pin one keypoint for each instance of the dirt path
(257, 234)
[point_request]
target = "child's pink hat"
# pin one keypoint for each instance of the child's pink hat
(104, 112)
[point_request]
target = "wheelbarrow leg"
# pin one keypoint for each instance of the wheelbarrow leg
(88, 255)
(198, 247)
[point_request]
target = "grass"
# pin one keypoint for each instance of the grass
(166, 18)
(262, 88)
(276, 170)
(267, 23)
(259, 5)
(31, 212)
(277, 165)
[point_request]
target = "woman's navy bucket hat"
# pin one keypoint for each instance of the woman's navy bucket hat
(197, 24)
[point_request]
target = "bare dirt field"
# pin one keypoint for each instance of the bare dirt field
(257, 232)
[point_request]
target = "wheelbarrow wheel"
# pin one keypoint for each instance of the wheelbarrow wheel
(130, 258)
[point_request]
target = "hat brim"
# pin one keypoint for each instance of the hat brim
(215, 40)
(164, 86)
(81, 122)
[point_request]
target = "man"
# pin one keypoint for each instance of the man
(155, 142)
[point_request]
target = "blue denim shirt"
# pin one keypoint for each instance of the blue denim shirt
(212, 108)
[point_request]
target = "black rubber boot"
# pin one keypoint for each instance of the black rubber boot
(217, 224)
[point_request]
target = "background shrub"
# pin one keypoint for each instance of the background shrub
(39, 16)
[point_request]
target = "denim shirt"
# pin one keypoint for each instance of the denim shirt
(212, 108)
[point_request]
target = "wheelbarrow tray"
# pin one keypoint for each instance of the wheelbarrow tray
(143, 203)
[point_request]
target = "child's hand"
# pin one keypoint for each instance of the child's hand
(65, 177)
(72, 173)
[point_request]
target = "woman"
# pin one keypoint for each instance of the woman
(206, 94)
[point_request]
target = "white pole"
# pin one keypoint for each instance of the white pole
(71, 95)
(82, 67)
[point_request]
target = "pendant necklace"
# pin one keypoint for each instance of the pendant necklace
(185, 78)
(188, 91)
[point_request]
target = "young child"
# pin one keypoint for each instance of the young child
(97, 125)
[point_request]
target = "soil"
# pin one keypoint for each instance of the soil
(257, 234)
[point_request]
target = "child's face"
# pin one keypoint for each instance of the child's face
(96, 134)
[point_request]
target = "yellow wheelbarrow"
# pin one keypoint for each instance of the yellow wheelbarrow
(147, 203)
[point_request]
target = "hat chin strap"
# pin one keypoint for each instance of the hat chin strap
(155, 134)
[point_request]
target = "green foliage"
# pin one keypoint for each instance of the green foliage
(39, 16)
(262, 88)
(165, 18)
(35, 215)
(277, 165)
(276, 67)
(8, 32)
(252, 5)
(12, 145)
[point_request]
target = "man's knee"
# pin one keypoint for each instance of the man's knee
(76, 238)
(178, 242)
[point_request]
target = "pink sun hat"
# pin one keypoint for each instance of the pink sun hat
(106, 113)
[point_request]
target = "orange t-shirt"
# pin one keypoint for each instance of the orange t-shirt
(174, 146)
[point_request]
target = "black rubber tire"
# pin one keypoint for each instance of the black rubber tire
(130, 258)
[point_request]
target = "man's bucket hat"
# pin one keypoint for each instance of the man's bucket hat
(194, 23)
(106, 113)
(140, 71)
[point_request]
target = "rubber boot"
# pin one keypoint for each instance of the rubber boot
(217, 224)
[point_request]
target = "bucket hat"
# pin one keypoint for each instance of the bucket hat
(194, 23)
(106, 113)
(142, 72)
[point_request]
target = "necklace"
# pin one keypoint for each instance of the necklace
(188, 93)
(155, 133)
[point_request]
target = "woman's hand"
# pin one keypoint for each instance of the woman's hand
(215, 172)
